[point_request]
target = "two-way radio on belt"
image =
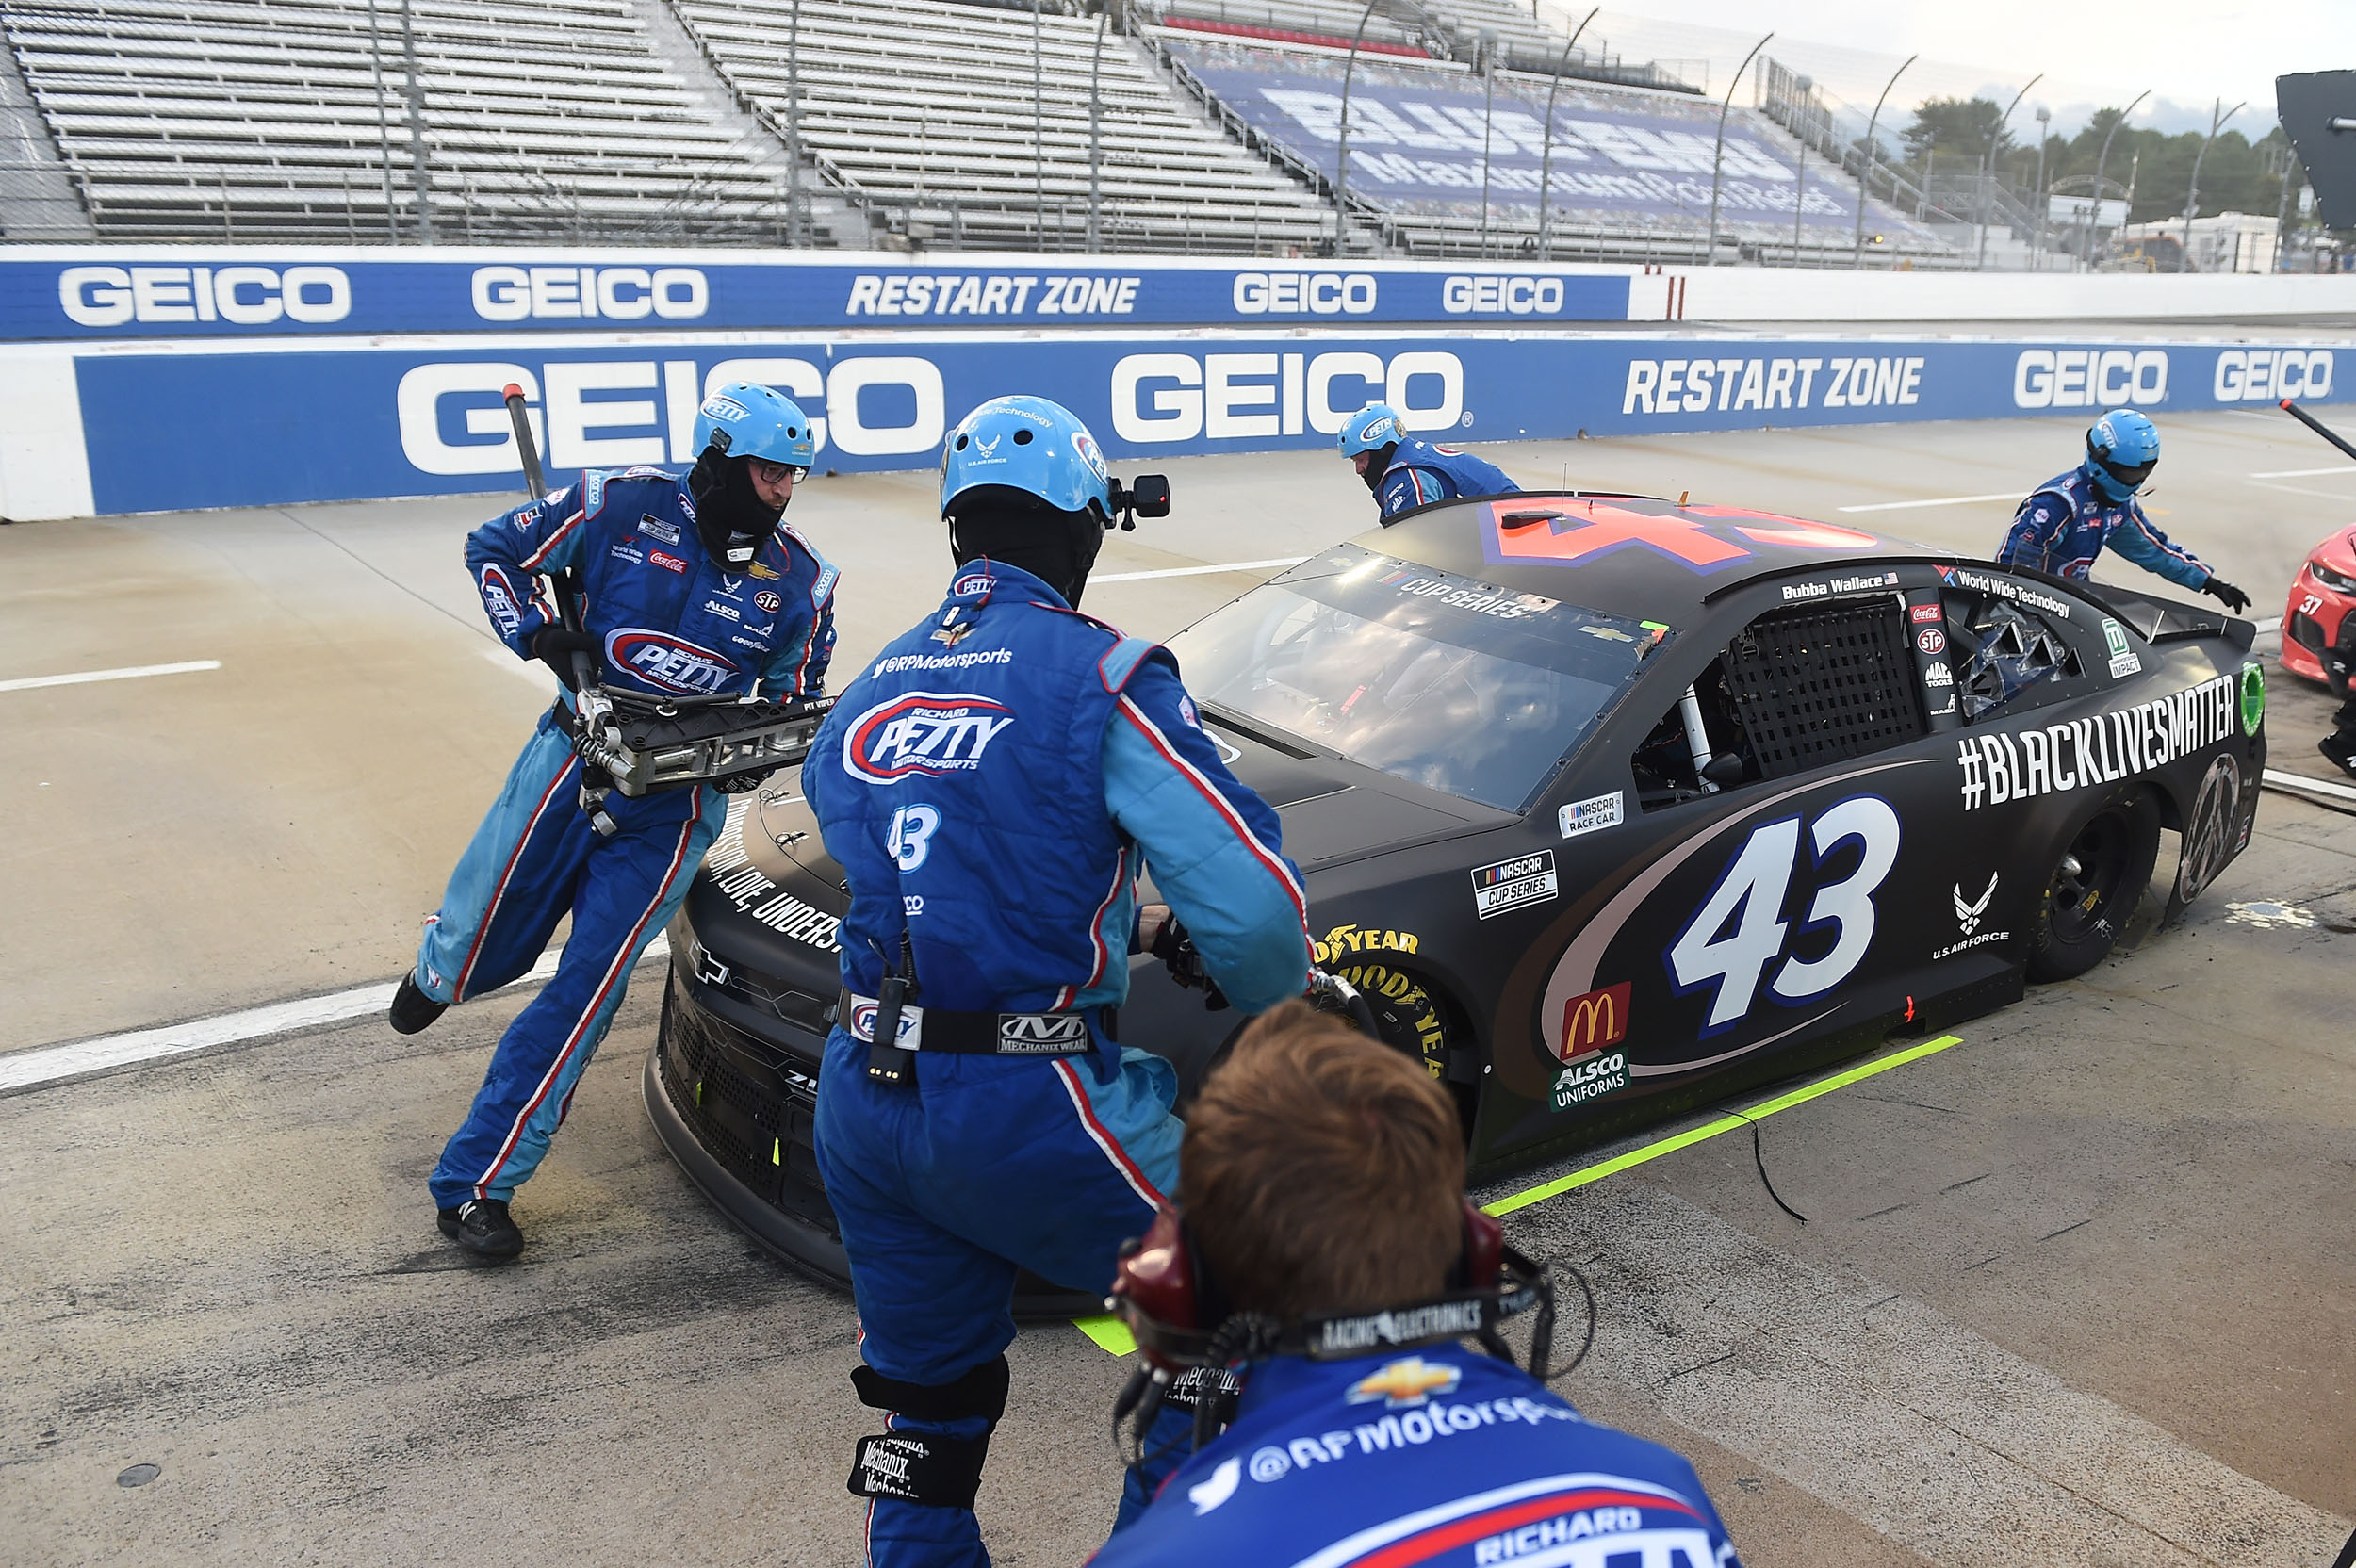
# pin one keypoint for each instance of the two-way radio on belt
(640, 745)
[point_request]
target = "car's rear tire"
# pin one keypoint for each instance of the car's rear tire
(2093, 886)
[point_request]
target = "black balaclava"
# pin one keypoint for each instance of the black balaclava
(1375, 470)
(1020, 530)
(730, 518)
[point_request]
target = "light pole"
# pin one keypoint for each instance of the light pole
(794, 126)
(1341, 169)
(418, 172)
(1987, 164)
(1800, 86)
(1096, 106)
(2192, 192)
(384, 126)
(2094, 217)
(2036, 235)
(1545, 160)
(1039, 143)
(1872, 154)
(1488, 124)
(1718, 157)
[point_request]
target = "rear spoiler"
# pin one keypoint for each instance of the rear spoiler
(2158, 620)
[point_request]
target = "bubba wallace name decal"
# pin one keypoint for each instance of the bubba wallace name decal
(2079, 753)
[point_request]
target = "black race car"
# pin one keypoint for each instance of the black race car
(1610, 805)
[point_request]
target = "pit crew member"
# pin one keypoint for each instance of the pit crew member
(691, 587)
(1324, 1173)
(1404, 473)
(992, 785)
(2066, 522)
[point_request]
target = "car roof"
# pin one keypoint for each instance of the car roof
(1637, 556)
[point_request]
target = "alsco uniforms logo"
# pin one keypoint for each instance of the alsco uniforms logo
(924, 735)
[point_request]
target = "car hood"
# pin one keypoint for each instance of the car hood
(2337, 551)
(1333, 811)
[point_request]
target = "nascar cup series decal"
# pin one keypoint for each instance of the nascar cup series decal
(923, 735)
(1511, 884)
(2079, 753)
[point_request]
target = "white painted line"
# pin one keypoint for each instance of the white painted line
(1198, 571)
(55, 1064)
(85, 677)
(1943, 501)
(2300, 784)
(2304, 473)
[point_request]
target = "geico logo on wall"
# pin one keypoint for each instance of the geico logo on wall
(575, 293)
(242, 296)
(2267, 375)
(1158, 399)
(1305, 293)
(2089, 378)
(453, 421)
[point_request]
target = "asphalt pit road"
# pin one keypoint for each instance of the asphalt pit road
(139, 1475)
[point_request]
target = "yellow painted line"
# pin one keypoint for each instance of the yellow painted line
(1112, 1335)
(1686, 1140)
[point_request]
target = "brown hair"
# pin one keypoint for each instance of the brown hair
(1322, 1172)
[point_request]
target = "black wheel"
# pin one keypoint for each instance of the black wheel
(1407, 1017)
(2093, 886)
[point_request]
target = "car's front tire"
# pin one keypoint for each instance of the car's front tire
(2093, 886)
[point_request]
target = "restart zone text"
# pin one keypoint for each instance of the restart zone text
(1611, 808)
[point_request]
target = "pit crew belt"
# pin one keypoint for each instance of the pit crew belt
(980, 1033)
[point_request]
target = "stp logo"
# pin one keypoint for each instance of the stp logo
(667, 663)
(767, 601)
(1931, 639)
(1595, 1022)
(924, 735)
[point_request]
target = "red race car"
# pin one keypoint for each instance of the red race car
(2319, 616)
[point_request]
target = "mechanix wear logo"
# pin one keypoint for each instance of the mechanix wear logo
(1041, 1034)
(923, 735)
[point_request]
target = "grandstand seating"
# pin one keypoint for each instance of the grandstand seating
(263, 118)
(928, 112)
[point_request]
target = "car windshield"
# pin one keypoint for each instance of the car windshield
(1457, 685)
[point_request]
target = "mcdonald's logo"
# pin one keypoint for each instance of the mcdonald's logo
(1594, 1022)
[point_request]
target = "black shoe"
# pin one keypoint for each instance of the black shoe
(412, 1009)
(2341, 750)
(481, 1225)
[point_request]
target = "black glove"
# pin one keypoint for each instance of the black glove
(2226, 594)
(554, 647)
(1172, 946)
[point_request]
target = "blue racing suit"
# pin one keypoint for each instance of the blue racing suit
(1421, 473)
(1445, 1459)
(992, 785)
(668, 622)
(2066, 522)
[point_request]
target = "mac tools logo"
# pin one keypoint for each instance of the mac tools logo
(665, 663)
(923, 735)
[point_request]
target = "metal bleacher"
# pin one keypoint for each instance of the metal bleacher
(288, 119)
(925, 113)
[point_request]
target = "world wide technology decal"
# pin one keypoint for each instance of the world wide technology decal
(256, 428)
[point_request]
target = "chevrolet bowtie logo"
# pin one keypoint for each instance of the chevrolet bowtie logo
(1405, 1382)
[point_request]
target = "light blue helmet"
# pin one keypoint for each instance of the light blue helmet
(2122, 449)
(1031, 445)
(750, 421)
(1371, 429)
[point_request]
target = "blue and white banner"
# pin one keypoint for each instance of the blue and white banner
(98, 294)
(346, 422)
(1417, 136)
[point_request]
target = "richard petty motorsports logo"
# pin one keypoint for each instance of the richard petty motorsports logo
(923, 735)
(668, 663)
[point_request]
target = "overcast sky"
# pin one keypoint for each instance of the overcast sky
(2093, 51)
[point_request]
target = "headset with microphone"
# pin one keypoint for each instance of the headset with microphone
(1190, 1338)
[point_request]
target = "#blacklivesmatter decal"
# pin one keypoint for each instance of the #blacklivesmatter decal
(2079, 753)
